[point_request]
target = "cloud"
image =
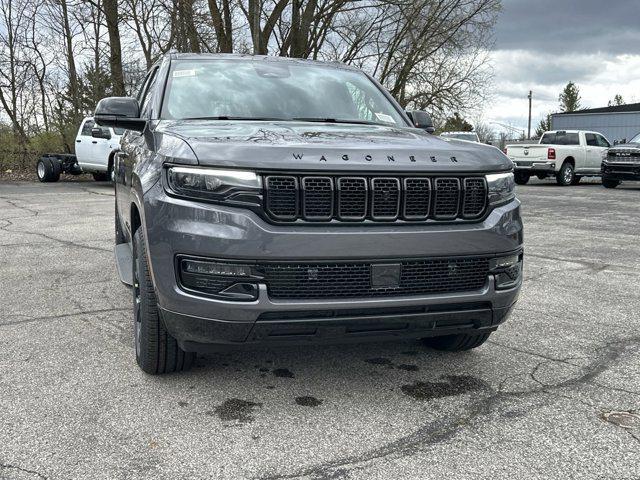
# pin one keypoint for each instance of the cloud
(531, 67)
(565, 26)
(541, 45)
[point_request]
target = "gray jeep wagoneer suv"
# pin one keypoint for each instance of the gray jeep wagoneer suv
(272, 201)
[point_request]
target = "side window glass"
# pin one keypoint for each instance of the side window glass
(148, 94)
(143, 87)
(591, 139)
(603, 142)
(86, 128)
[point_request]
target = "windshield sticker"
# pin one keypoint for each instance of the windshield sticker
(184, 73)
(383, 117)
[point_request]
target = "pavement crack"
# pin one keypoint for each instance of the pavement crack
(594, 267)
(67, 243)
(8, 466)
(13, 203)
(65, 315)
(96, 193)
(481, 405)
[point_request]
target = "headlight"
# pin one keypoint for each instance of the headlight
(214, 184)
(501, 187)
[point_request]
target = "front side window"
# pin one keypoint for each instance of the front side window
(272, 90)
(602, 142)
(591, 139)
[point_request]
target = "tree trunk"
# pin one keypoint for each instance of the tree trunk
(74, 90)
(115, 56)
(222, 25)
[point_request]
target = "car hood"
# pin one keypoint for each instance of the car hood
(326, 146)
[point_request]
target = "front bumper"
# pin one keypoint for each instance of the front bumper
(175, 226)
(621, 171)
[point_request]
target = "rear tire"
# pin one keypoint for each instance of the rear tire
(566, 175)
(522, 178)
(157, 351)
(457, 343)
(609, 183)
(48, 170)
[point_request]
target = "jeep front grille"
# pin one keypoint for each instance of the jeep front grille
(375, 198)
(353, 279)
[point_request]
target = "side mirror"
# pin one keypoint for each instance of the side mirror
(422, 120)
(97, 132)
(119, 112)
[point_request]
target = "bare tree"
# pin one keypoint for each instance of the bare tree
(13, 75)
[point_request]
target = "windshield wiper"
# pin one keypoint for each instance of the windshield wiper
(225, 117)
(338, 120)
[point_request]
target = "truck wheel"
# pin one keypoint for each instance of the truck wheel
(120, 238)
(156, 350)
(608, 183)
(566, 175)
(101, 176)
(457, 343)
(522, 178)
(48, 170)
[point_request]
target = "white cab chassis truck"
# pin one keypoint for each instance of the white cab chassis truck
(95, 149)
(568, 155)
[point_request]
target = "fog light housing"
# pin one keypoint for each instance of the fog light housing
(228, 281)
(507, 271)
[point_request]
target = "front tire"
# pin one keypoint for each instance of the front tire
(567, 174)
(522, 178)
(609, 183)
(457, 343)
(157, 351)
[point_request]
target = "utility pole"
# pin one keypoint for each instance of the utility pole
(529, 128)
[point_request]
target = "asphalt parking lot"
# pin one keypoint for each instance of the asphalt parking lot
(553, 394)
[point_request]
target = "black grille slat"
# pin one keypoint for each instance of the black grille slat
(317, 198)
(385, 198)
(475, 197)
(282, 197)
(447, 198)
(352, 198)
(417, 198)
(353, 279)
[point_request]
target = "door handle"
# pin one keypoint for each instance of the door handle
(94, 141)
(78, 141)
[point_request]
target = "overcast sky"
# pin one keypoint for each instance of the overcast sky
(543, 44)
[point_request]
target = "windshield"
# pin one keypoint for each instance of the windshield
(270, 90)
(635, 139)
(472, 137)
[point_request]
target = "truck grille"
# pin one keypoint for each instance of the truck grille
(354, 279)
(624, 157)
(356, 199)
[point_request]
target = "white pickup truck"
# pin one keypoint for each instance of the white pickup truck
(566, 154)
(95, 149)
